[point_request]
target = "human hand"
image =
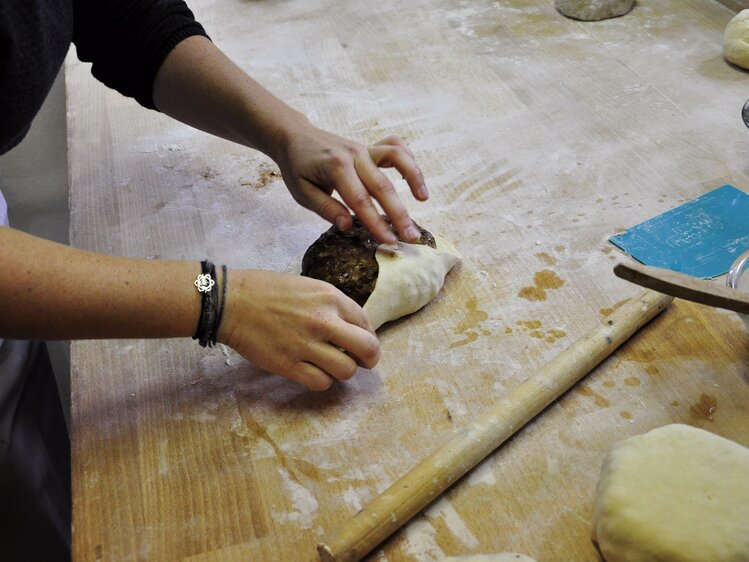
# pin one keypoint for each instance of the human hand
(314, 163)
(300, 328)
(200, 86)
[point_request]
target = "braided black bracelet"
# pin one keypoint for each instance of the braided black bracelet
(212, 308)
(222, 302)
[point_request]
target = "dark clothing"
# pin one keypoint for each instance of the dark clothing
(35, 498)
(35, 502)
(34, 37)
(127, 40)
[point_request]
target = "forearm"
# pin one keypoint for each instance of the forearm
(198, 85)
(51, 291)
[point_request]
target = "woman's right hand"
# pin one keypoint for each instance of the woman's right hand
(297, 327)
(300, 328)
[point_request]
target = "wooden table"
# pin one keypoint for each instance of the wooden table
(539, 137)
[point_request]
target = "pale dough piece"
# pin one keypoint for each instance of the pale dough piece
(499, 557)
(745, 318)
(736, 40)
(676, 493)
(593, 10)
(410, 275)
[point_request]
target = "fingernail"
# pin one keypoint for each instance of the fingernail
(340, 223)
(423, 192)
(412, 233)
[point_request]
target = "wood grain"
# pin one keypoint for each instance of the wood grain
(539, 138)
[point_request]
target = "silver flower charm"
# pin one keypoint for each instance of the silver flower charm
(204, 283)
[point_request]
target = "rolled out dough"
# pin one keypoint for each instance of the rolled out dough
(736, 40)
(676, 493)
(410, 275)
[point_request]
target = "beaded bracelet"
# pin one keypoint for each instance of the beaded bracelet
(212, 307)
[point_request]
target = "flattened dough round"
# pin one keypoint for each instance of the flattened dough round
(736, 40)
(676, 493)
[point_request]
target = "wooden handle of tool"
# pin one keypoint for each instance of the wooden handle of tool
(410, 494)
(684, 286)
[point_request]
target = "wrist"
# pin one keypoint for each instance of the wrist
(212, 287)
(282, 132)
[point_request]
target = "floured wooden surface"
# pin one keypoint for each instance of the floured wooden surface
(539, 137)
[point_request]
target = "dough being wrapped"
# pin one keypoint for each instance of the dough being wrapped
(388, 281)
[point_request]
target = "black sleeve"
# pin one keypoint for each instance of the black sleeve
(127, 40)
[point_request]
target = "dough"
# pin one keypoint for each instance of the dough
(745, 318)
(388, 281)
(676, 493)
(593, 10)
(736, 40)
(410, 276)
(499, 557)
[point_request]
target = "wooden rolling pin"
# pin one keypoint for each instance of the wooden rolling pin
(357, 536)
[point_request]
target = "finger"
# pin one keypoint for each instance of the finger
(353, 314)
(355, 333)
(318, 201)
(332, 361)
(360, 344)
(380, 187)
(359, 199)
(310, 376)
(393, 140)
(343, 337)
(401, 159)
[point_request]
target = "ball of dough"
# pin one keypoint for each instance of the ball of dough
(736, 40)
(498, 557)
(593, 10)
(676, 493)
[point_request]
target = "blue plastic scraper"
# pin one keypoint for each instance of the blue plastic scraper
(701, 237)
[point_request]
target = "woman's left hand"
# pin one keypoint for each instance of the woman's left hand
(198, 85)
(314, 163)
